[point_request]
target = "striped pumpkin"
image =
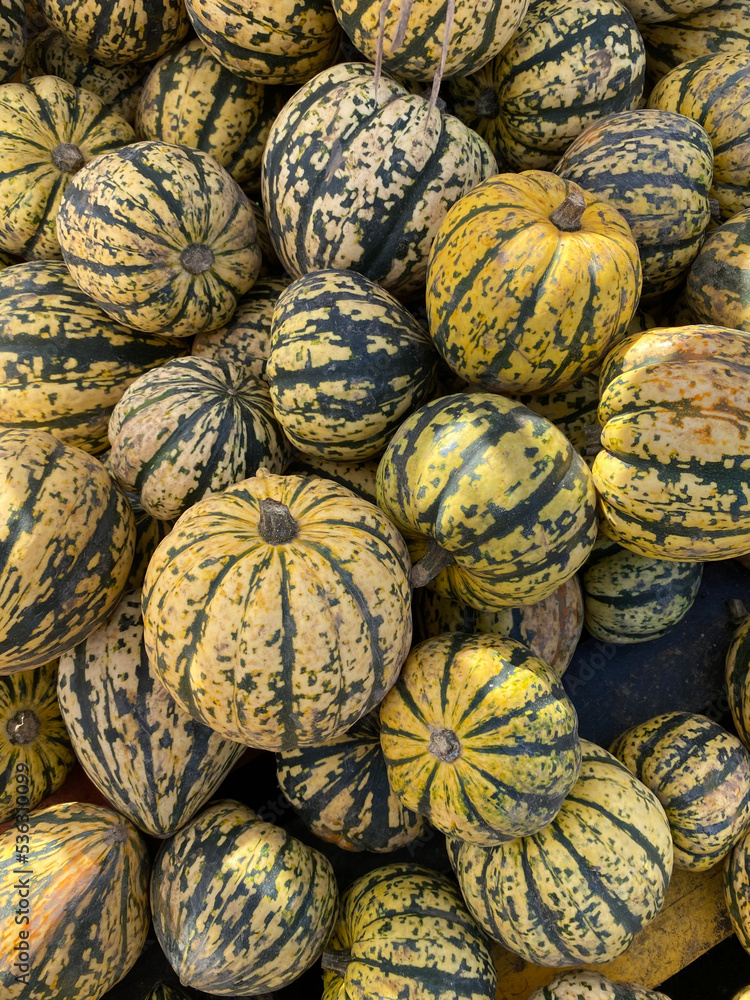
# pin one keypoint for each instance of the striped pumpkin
(63, 362)
(551, 629)
(737, 676)
(12, 38)
(321, 629)
(119, 31)
(190, 428)
(285, 42)
(68, 539)
(146, 756)
(479, 737)
(701, 775)
(722, 27)
(341, 792)
(191, 99)
(48, 131)
(35, 750)
(673, 476)
(118, 87)
(240, 906)
(736, 873)
(497, 495)
(356, 179)
(655, 167)
(611, 838)
(347, 364)
(589, 985)
(530, 281)
(656, 11)
(358, 477)
(632, 598)
(714, 90)
(74, 912)
(587, 59)
(145, 261)
(246, 338)
(404, 931)
(413, 33)
(716, 288)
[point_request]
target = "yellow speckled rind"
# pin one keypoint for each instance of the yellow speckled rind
(737, 889)
(147, 757)
(517, 305)
(518, 751)
(611, 839)
(67, 537)
(310, 632)
(39, 754)
(737, 675)
(716, 291)
(128, 219)
(656, 11)
(701, 775)
(673, 476)
(12, 37)
(586, 985)
(359, 477)
(87, 903)
(35, 119)
(239, 905)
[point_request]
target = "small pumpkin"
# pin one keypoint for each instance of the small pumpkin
(716, 287)
(589, 985)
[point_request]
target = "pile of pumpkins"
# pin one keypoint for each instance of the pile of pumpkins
(353, 357)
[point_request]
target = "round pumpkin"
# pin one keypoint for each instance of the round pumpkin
(189, 428)
(148, 263)
(588, 985)
(736, 877)
(301, 589)
(716, 292)
(68, 541)
(240, 906)
(530, 281)
(479, 737)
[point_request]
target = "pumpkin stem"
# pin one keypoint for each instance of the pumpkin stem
(380, 46)
(445, 745)
(567, 216)
(336, 961)
(428, 567)
(487, 104)
(119, 833)
(737, 610)
(23, 728)
(197, 258)
(67, 157)
(449, 13)
(276, 524)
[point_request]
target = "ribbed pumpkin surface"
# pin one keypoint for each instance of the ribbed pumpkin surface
(191, 99)
(479, 736)
(191, 427)
(714, 90)
(571, 409)
(347, 364)
(633, 598)
(403, 930)
(35, 748)
(737, 889)
(587, 59)
(119, 31)
(673, 477)
(342, 793)
(12, 38)
(518, 303)
(611, 839)
(701, 775)
(413, 33)
(655, 167)
(66, 545)
(63, 362)
(246, 339)
(160, 237)
(499, 488)
(655, 11)
(86, 874)
(285, 42)
(48, 130)
(585, 985)
(353, 182)
(316, 626)
(240, 906)
(551, 629)
(737, 674)
(359, 477)
(717, 285)
(118, 87)
(146, 756)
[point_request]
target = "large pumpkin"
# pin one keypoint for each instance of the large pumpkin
(300, 590)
